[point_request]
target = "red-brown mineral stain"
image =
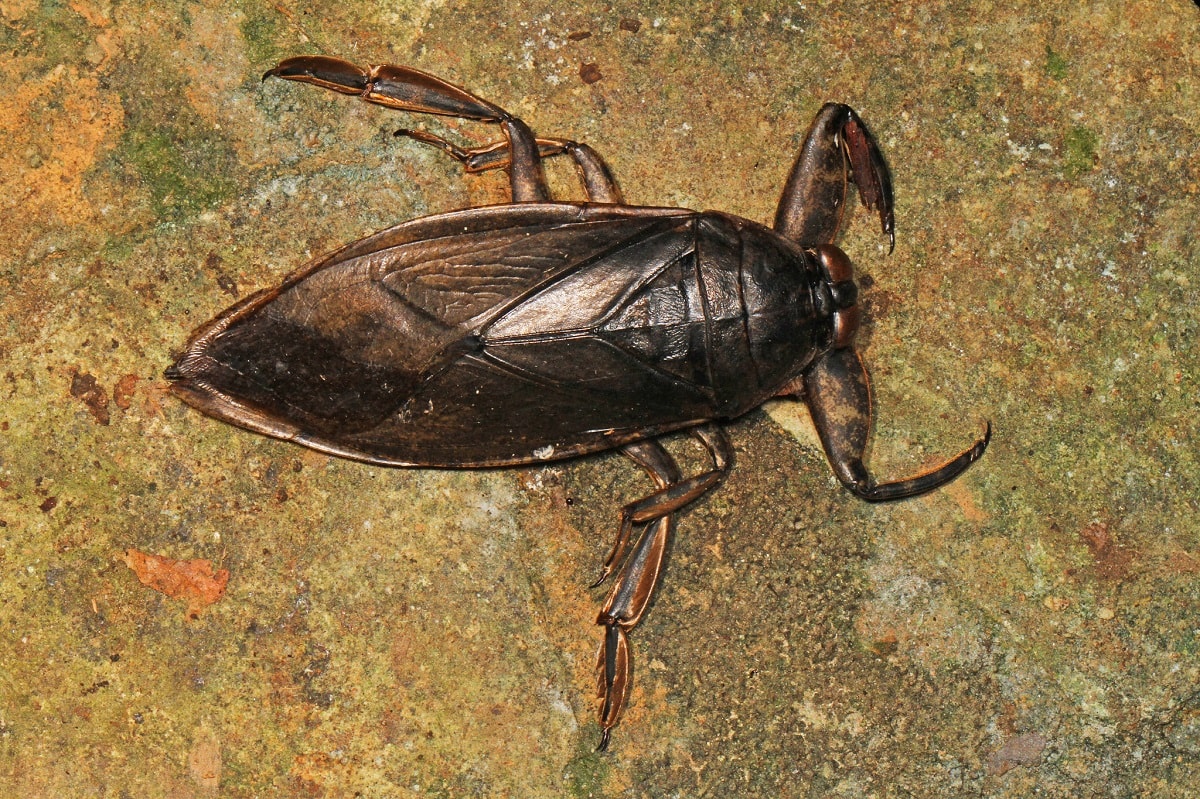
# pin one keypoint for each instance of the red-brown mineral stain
(1111, 560)
(123, 391)
(87, 389)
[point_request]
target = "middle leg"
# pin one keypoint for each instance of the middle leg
(635, 584)
(598, 182)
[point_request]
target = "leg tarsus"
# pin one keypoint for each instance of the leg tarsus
(468, 158)
(627, 601)
(870, 173)
(613, 672)
(916, 485)
(328, 73)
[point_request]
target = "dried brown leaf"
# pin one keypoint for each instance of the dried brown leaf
(193, 581)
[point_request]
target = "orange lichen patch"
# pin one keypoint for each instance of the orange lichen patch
(193, 581)
(96, 14)
(16, 10)
(1183, 562)
(56, 127)
(965, 499)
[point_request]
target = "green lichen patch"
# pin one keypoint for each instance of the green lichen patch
(1079, 151)
(1056, 64)
(184, 173)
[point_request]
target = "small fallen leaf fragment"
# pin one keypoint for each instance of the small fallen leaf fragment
(190, 580)
(87, 389)
(590, 73)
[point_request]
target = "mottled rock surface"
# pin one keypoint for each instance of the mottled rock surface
(1030, 630)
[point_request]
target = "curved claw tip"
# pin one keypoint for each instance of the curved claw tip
(976, 451)
(277, 71)
(987, 435)
(605, 736)
(600, 580)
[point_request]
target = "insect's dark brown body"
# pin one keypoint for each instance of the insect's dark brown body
(539, 330)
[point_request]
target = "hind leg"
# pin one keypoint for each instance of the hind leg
(408, 89)
(634, 585)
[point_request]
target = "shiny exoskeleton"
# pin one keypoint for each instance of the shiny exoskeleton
(539, 330)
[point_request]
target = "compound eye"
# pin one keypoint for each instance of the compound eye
(839, 271)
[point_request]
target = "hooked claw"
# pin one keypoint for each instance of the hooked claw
(838, 149)
(870, 174)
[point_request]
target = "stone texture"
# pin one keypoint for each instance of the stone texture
(1031, 629)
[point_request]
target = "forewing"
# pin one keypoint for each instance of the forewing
(548, 378)
(346, 342)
